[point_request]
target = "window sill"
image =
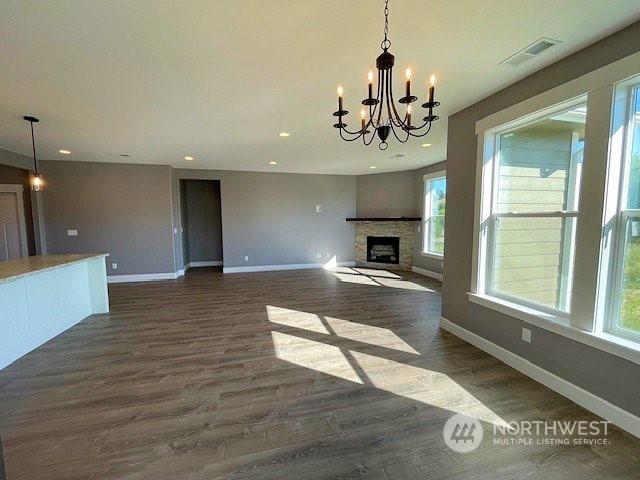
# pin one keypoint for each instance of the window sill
(620, 347)
(437, 256)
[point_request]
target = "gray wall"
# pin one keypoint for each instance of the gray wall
(428, 263)
(607, 376)
(16, 160)
(203, 220)
(386, 194)
(271, 218)
(120, 209)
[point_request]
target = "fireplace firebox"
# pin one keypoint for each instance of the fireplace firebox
(383, 249)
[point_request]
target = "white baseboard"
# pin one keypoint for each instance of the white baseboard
(427, 273)
(208, 263)
(616, 415)
(142, 277)
(292, 266)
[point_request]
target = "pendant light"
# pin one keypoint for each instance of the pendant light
(37, 181)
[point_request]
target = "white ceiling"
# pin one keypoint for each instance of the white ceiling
(161, 79)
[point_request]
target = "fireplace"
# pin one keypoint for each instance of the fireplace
(383, 249)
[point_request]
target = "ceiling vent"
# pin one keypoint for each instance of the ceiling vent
(529, 52)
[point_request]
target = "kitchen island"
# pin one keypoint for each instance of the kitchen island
(43, 295)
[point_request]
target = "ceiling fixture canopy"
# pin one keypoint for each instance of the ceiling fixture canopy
(379, 115)
(37, 182)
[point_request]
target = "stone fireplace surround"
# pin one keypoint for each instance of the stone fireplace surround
(404, 229)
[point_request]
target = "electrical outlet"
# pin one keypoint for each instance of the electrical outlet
(246, 258)
(526, 335)
(114, 265)
(318, 208)
(72, 233)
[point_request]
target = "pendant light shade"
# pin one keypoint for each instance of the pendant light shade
(37, 180)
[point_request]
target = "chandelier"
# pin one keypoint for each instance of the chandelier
(379, 115)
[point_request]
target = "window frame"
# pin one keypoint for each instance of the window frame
(491, 160)
(625, 96)
(427, 195)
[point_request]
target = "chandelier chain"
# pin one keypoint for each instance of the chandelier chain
(386, 43)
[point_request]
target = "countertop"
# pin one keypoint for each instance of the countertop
(23, 267)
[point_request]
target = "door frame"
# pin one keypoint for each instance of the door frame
(18, 190)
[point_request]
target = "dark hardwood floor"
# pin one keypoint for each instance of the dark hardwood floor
(301, 374)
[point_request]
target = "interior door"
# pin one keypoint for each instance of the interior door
(10, 245)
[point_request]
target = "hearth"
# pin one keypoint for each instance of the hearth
(383, 249)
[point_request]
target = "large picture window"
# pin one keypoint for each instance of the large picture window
(435, 198)
(557, 245)
(535, 171)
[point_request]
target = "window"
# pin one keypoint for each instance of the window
(557, 245)
(623, 312)
(435, 196)
(534, 167)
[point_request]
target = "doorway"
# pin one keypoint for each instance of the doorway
(201, 212)
(13, 233)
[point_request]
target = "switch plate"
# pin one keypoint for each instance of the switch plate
(72, 233)
(246, 258)
(114, 265)
(526, 335)
(318, 208)
(318, 256)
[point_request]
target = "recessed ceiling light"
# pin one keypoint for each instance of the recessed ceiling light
(373, 167)
(284, 134)
(188, 158)
(273, 163)
(64, 152)
(425, 145)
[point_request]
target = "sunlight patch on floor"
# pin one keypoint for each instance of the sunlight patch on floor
(373, 272)
(377, 278)
(403, 284)
(423, 385)
(314, 355)
(372, 335)
(356, 278)
(296, 319)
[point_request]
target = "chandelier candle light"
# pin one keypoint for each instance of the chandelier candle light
(383, 116)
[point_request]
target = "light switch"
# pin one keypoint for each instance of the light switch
(526, 335)
(318, 208)
(72, 233)
(114, 266)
